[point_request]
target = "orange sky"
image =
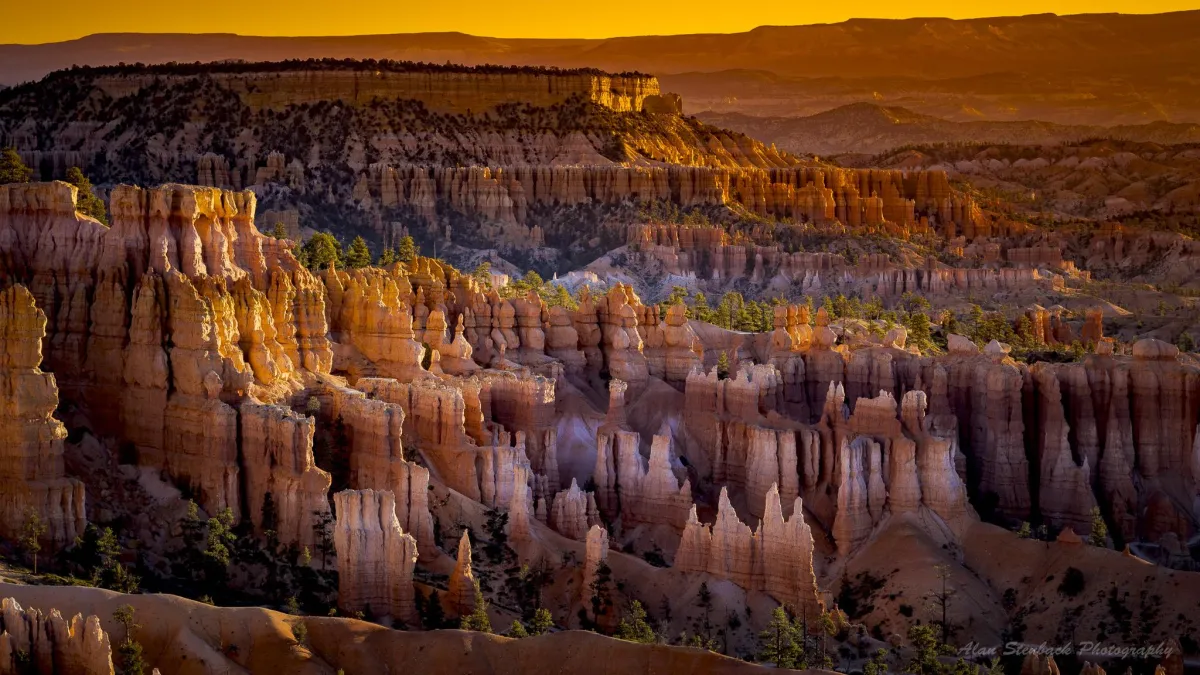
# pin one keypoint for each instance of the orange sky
(34, 22)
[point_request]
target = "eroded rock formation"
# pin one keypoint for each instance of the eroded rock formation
(34, 480)
(375, 556)
(776, 558)
(51, 644)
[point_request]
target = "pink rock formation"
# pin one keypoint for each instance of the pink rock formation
(1065, 492)
(857, 503)
(596, 554)
(562, 340)
(941, 488)
(671, 346)
(647, 494)
(191, 310)
(777, 558)
(375, 557)
(573, 511)
(520, 507)
(370, 313)
(461, 586)
(33, 475)
(51, 644)
(622, 344)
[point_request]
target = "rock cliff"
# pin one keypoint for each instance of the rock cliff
(34, 477)
(375, 556)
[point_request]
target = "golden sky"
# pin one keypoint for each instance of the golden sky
(34, 22)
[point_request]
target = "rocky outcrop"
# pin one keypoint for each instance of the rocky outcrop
(33, 475)
(937, 456)
(1130, 433)
(375, 556)
(461, 586)
(524, 404)
(573, 511)
(377, 462)
(671, 347)
(776, 558)
(595, 555)
(370, 313)
(278, 460)
(860, 496)
(1065, 491)
(191, 311)
(622, 345)
(649, 493)
(48, 643)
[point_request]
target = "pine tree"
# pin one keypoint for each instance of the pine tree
(270, 522)
(925, 646)
(321, 251)
(130, 660)
(387, 257)
(323, 528)
(877, 665)
(86, 202)
(483, 274)
(12, 169)
(99, 551)
(435, 616)
(542, 622)
(723, 365)
(517, 630)
(279, 231)
(358, 256)
(1099, 535)
(1185, 342)
(406, 251)
(32, 532)
(478, 619)
(633, 627)
(778, 640)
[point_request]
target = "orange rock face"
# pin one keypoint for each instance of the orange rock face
(34, 478)
(375, 557)
(192, 311)
(377, 461)
(278, 460)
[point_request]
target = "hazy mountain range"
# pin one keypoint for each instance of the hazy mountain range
(869, 129)
(1082, 69)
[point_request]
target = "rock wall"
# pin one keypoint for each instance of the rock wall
(375, 556)
(164, 322)
(32, 476)
(278, 460)
(374, 429)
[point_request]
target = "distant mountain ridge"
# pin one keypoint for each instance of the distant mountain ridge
(868, 128)
(1090, 68)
